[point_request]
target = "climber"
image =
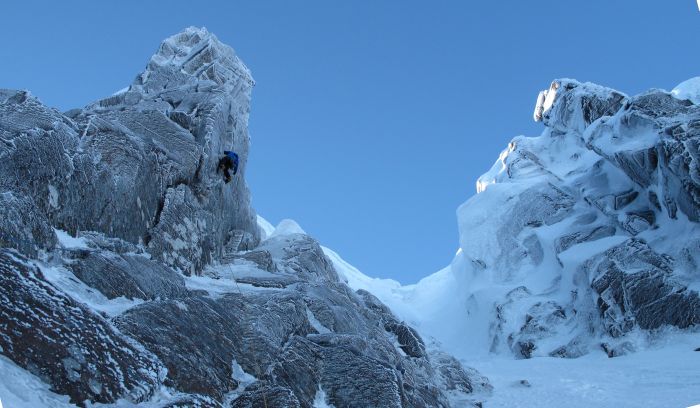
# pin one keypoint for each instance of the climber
(226, 163)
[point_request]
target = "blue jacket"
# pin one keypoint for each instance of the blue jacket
(234, 158)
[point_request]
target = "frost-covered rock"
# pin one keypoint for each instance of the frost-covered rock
(22, 226)
(311, 332)
(141, 165)
(574, 234)
(128, 275)
(65, 344)
(637, 287)
(571, 105)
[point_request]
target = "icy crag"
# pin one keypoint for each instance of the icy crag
(584, 238)
(602, 237)
(131, 274)
(140, 165)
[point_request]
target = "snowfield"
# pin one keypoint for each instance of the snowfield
(665, 375)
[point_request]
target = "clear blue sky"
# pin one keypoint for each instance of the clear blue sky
(371, 120)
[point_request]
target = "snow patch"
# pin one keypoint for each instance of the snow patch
(497, 169)
(321, 399)
(266, 229)
(20, 389)
(68, 242)
(219, 287)
(689, 89)
(64, 280)
(121, 91)
(287, 227)
(237, 373)
(318, 326)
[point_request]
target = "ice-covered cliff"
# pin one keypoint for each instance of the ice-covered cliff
(130, 273)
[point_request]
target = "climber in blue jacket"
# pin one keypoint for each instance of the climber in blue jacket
(228, 162)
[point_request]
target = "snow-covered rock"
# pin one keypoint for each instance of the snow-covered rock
(141, 165)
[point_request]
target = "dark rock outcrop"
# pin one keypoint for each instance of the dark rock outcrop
(636, 287)
(128, 275)
(65, 344)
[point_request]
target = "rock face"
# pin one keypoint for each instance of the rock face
(162, 291)
(649, 297)
(140, 165)
(129, 275)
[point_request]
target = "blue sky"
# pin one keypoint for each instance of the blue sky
(371, 120)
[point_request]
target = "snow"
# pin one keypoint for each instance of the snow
(318, 326)
(218, 280)
(581, 252)
(663, 376)
(64, 280)
(388, 290)
(689, 89)
(266, 229)
(68, 242)
(244, 379)
(287, 227)
(497, 169)
(20, 389)
(121, 91)
(549, 97)
(539, 106)
(219, 287)
(321, 399)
